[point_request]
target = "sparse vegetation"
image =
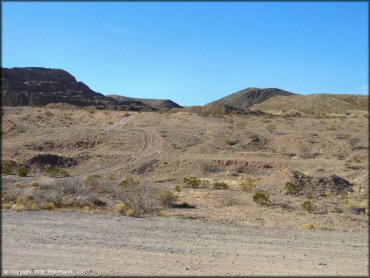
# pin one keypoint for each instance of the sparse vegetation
(308, 206)
(292, 188)
(140, 197)
(220, 186)
(167, 198)
(192, 182)
(8, 167)
(22, 172)
(261, 198)
(230, 142)
(248, 184)
(120, 208)
(132, 213)
(178, 188)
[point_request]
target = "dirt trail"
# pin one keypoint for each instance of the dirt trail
(152, 143)
(111, 245)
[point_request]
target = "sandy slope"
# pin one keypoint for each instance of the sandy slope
(80, 243)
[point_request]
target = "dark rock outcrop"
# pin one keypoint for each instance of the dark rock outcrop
(320, 185)
(34, 86)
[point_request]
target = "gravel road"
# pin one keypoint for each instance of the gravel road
(71, 243)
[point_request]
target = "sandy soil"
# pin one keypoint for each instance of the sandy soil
(73, 243)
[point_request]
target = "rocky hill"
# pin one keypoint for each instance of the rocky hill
(154, 103)
(35, 86)
(250, 96)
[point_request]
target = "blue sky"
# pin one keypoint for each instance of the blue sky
(193, 52)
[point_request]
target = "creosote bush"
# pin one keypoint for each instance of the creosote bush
(8, 167)
(192, 182)
(261, 198)
(178, 188)
(22, 172)
(291, 188)
(308, 206)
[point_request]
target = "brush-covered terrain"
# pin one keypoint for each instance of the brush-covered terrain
(256, 169)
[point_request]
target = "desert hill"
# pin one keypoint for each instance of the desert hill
(250, 96)
(154, 103)
(317, 104)
(36, 86)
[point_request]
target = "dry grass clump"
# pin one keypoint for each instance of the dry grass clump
(220, 186)
(33, 184)
(307, 227)
(132, 213)
(120, 208)
(167, 198)
(229, 142)
(248, 184)
(47, 205)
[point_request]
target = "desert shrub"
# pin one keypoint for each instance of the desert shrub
(229, 142)
(22, 172)
(308, 206)
(248, 184)
(33, 184)
(192, 182)
(292, 188)
(10, 193)
(132, 213)
(47, 206)
(64, 173)
(126, 182)
(55, 172)
(178, 188)
(140, 197)
(51, 171)
(120, 208)
(167, 198)
(8, 167)
(261, 198)
(220, 185)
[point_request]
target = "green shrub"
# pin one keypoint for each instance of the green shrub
(7, 167)
(178, 188)
(292, 188)
(192, 181)
(308, 206)
(22, 172)
(261, 198)
(51, 171)
(220, 185)
(167, 198)
(124, 183)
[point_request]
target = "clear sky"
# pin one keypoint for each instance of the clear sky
(193, 52)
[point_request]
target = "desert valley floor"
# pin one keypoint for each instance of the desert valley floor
(310, 176)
